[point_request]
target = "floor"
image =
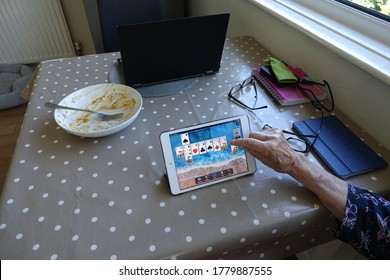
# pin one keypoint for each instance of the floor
(10, 123)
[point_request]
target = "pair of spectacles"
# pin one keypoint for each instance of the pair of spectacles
(297, 144)
(313, 98)
(239, 90)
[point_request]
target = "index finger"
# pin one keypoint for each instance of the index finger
(251, 143)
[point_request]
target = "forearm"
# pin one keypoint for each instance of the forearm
(331, 190)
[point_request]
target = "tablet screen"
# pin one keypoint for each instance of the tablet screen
(205, 154)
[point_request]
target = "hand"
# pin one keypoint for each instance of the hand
(271, 148)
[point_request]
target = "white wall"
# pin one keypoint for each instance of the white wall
(77, 21)
(362, 97)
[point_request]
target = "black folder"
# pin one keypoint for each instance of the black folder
(341, 149)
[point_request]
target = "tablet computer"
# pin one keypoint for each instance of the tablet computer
(201, 155)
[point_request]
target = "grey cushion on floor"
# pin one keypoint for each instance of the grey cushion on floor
(13, 79)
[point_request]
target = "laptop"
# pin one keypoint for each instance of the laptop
(171, 50)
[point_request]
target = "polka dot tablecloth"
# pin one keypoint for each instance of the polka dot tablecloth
(68, 197)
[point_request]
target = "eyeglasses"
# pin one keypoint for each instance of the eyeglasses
(313, 98)
(241, 89)
(297, 144)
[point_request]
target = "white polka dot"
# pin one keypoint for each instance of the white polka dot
(129, 211)
(264, 205)
(233, 213)
(223, 230)
(181, 213)
(19, 236)
(256, 222)
(36, 247)
(3, 226)
(201, 221)
(94, 219)
(188, 239)
(209, 249)
(167, 229)
(57, 228)
(131, 238)
(112, 229)
(213, 205)
(75, 237)
(287, 213)
(148, 221)
(113, 257)
(152, 248)
(54, 257)
(93, 247)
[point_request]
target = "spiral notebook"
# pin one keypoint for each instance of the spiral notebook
(286, 95)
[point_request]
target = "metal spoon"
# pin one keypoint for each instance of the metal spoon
(104, 117)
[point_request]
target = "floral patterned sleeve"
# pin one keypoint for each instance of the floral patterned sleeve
(366, 223)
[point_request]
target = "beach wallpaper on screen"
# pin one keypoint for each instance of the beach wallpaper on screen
(205, 154)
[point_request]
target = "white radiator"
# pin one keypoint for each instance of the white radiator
(33, 31)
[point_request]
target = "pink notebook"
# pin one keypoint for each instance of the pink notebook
(286, 95)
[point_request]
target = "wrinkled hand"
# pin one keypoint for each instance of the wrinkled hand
(271, 148)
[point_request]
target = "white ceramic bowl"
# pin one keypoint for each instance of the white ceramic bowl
(104, 98)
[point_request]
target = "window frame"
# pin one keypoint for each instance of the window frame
(365, 10)
(341, 28)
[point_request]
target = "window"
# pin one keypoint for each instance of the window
(357, 36)
(377, 8)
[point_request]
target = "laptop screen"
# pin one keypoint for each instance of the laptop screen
(163, 51)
